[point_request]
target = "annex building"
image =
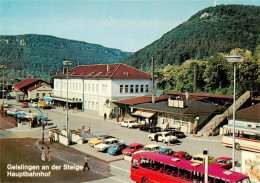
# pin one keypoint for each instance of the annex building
(93, 88)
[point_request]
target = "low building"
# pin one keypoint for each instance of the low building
(32, 89)
(178, 113)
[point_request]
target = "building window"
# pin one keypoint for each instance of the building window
(85, 87)
(146, 88)
(136, 88)
(37, 95)
(73, 86)
(76, 86)
(43, 95)
(131, 88)
(121, 88)
(79, 87)
(88, 87)
(93, 89)
(126, 88)
(97, 87)
(142, 88)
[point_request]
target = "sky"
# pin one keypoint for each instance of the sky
(128, 25)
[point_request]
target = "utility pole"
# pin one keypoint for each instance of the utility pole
(153, 91)
(194, 78)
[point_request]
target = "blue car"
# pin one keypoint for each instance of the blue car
(20, 115)
(40, 117)
(116, 149)
(166, 151)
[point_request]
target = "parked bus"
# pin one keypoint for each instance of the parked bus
(245, 137)
(151, 167)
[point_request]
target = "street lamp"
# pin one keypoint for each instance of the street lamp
(234, 59)
(67, 64)
(3, 67)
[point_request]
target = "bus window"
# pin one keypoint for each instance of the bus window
(211, 179)
(135, 163)
(157, 166)
(171, 170)
(219, 180)
(184, 174)
(197, 177)
(244, 181)
(145, 163)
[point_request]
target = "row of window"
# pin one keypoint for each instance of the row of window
(175, 171)
(134, 88)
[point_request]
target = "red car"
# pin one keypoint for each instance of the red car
(132, 148)
(24, 104)
(223, 162)
(182, 155)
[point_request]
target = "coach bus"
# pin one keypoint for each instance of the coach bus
(246, 138)
(151, 167)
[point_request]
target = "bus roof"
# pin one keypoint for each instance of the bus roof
(244, 128)
(216, 172)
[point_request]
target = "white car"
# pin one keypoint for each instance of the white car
(162, 137)
(106, 144)
(130, 123)
(149, 148)
(35, 104)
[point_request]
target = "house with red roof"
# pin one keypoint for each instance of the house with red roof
(32, 89)
(95, 87)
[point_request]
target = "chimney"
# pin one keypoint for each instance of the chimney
(108, 68)
(187, 95)
(64, 70)
(78, 63)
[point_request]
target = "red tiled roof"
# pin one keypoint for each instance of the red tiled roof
(34, 87)
(139, 100)
(200, 96)
(25, 83)
(115, 71)
(251, 113)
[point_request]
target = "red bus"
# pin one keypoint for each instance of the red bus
(151, 167)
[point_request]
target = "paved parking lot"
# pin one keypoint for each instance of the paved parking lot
(98, 126)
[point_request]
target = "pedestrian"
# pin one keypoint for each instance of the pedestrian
(168, 141)
(88, 130)
(51, 138)
(48, 154)
(211, 132)
(179, 126)
(167, 124)
(86, 163)
(195, 127)
(105, 116)
(117, 118)
(43, 154)
(122, 117)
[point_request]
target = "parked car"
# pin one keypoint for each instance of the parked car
(106, 144)
(149, 148)
(12, 111)
(99, 140)
(162, 137)
(20, 115)
(129, 123)
(223, 162)
(116, 149)
(132, 148)
(35, 104)
(182, 155)
(41, 117)
(150, 128)
(178, 134)
(166, 151)
(24, 104)
(200, 158)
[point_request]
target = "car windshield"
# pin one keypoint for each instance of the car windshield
(99, 138)
(146, 149)
(105, 142)
(115, 146)
(221, 161)
(130, 147)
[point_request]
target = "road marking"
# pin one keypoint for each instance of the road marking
(120, 168)
(202, 139)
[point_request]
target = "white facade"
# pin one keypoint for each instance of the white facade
(40, 92)
(97, 94)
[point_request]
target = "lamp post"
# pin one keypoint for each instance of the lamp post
(206, 170)
(67, 64)
(234, 59)
(3, 67)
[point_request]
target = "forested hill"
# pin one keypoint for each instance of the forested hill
(44, 54)
(212, 30)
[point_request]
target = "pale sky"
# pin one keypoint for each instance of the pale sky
(128, 25)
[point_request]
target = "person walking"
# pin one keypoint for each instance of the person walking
(117, 118)
(195, 128)
(86, 164)
(48, 154)
(168, 141)
(51, 138)
(43, 154)
(122, 117)
(105, 116)
(211, 132)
